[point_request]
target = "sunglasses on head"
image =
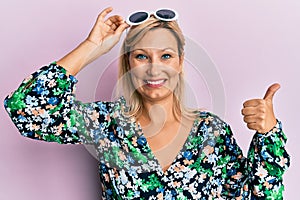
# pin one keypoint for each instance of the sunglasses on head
(163, 14)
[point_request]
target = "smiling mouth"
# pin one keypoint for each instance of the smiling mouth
(155, 83)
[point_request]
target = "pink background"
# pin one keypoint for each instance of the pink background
(253, 44)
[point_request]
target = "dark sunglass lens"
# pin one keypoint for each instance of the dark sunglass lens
(138, 17)
(166, 14)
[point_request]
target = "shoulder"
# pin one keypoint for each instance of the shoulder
(213, 123)
(211, 118)
(219, 132)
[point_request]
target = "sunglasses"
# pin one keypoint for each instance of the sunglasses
(163, 14)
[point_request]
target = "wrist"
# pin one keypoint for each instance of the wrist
(91, 50)
(88, 45)
(78, 58)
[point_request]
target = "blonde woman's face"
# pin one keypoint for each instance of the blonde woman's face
(155, 64)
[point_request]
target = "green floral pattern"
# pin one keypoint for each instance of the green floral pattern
(210, 164)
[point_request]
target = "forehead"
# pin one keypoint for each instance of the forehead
(159, 38)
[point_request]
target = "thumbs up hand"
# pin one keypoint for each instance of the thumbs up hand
(259, 114)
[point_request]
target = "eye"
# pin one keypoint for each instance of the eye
(166, 56)
(141, 56)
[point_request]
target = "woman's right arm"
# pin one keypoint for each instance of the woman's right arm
(44, 106)
(103, 37)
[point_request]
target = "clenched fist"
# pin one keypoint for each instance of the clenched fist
(259, 113)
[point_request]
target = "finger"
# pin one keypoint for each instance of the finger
(116, 19)
(248, 111)
(114, 22)
(271, 91)
(252, 126)
(121, 28)
(103, 14)
(252, 102)
(250, 119)
(112, 27)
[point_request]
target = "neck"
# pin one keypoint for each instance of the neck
(158, 111)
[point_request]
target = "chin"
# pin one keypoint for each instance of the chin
(156, 96)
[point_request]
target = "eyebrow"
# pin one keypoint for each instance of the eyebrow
(169, 48)
(165, 49)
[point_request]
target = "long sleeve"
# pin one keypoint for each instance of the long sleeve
(267, 162)
(259, 176)
(44, 107)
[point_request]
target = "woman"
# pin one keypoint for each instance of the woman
(149, 145)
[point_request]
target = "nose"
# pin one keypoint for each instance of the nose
(154, 68)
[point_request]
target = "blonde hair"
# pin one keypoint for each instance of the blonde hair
(133, 98)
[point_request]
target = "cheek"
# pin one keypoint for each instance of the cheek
(133, 62)
(138, 71)
(136, 68)
(173, 67)
(172, 71)
(136, 75)
(174, 80)
(178, 66)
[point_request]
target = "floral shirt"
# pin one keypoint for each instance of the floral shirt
(210, 164)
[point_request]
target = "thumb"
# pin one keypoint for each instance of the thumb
(271, 91)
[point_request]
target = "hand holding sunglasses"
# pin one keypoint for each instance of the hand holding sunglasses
(104, 35)
(107, 32)
(104, 29)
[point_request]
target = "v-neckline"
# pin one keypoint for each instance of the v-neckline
(189, 135)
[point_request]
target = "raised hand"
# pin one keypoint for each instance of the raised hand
(259, 114)
(107, 32)
(103, 37)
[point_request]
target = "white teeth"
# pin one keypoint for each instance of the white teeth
(155, 82)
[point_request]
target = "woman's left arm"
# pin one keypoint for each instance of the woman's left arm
(260, 174)
(267, 161)
(267, 157)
